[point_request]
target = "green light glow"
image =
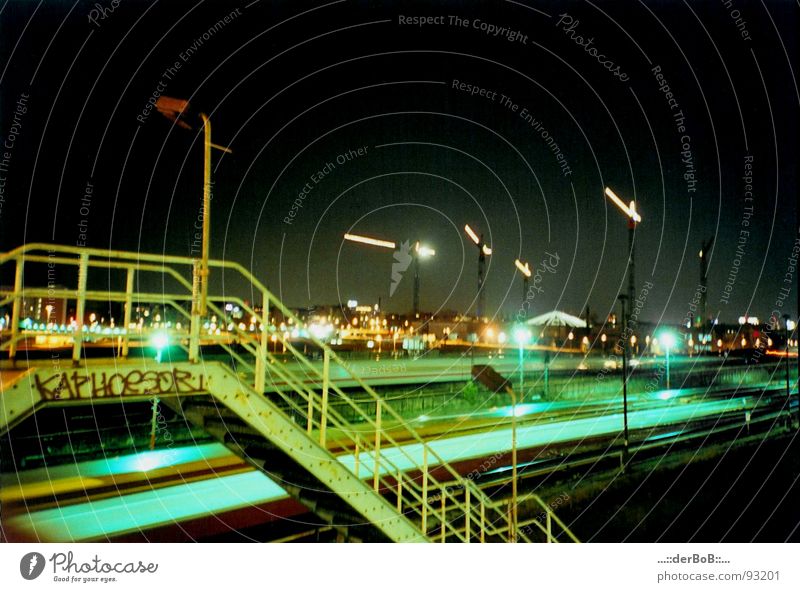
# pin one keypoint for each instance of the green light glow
(522, 335)
(129, 463)
(116, 515)
(667, 339)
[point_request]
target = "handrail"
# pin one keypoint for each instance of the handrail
(417, 494)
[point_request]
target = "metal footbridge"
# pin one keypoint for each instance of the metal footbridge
(354, 475)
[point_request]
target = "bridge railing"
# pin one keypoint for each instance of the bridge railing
(413, 474)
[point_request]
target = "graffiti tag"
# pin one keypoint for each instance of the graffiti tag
(89, 385)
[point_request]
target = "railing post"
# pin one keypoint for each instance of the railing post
(399, 492)
(261, 360)
(80, 310)
(378, 429)
(194, 329)
(483, 523)
(127, 315)
(357, 460)
(444, 523)
(310, 412)
(510, 525)
(323, 421)
(468, 511)
(154, 423)
(425, 490)
(15, 312)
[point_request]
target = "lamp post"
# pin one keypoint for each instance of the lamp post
(633, 218)
(419, 252)
(160, 341)
(525, 270)
(786, 318)
(705, 249)
(668, 340)
(521, 336)
(624, 341)
(178, 111)
(484, 251)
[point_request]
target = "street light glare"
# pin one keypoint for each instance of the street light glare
(523, 267)
(487, 250)
(633, 213)
(369, 241)
(522, 335)
(471, 234)
(668, 339)
(424, 251)
(629, 211)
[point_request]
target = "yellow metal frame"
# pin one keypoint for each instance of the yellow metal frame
(450, 509)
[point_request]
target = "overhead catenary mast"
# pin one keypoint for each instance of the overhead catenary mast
(484, 251)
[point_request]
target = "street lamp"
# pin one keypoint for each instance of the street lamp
(525, 270)
(705, 249)
(178, 111)
(159, 341)
(419, 252)
(356, 238)
(786, 320)
(522, 336)
(484, 251)
(624, 341)
(668, 341)
(633, 218)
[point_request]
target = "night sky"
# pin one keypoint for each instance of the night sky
(293, 86)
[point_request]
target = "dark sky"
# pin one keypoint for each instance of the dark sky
(290, 86)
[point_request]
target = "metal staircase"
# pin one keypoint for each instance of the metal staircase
(363, 482)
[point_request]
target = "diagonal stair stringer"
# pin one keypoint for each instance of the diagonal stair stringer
(269, 421)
